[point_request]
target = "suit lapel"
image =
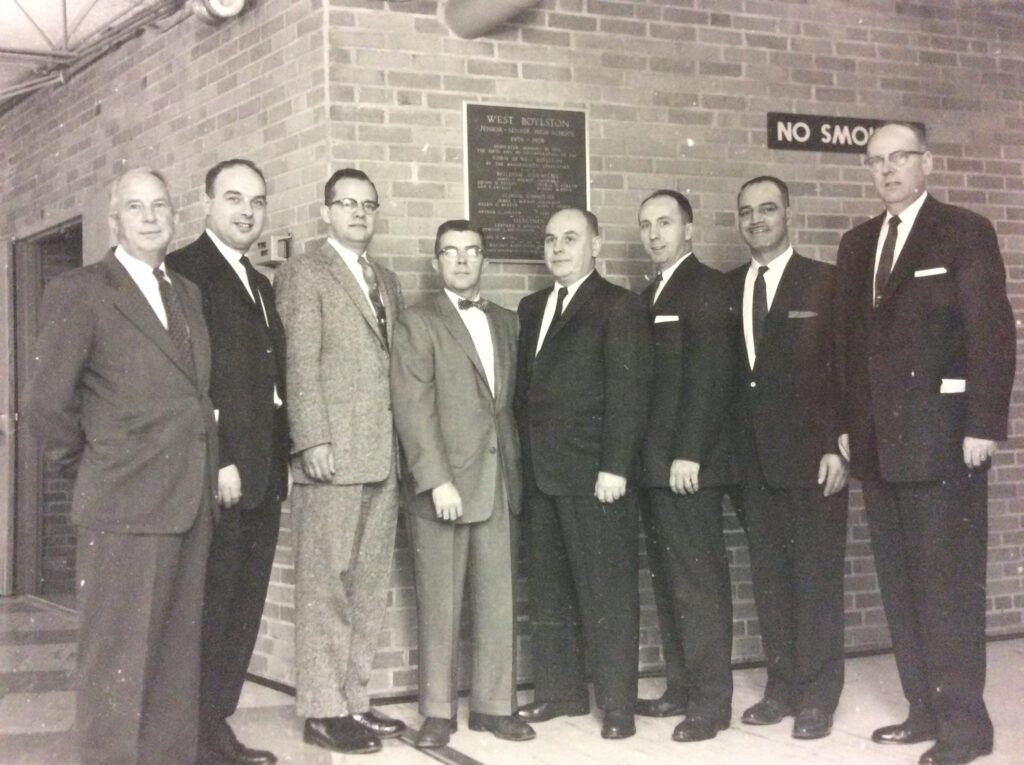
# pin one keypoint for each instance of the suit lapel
(130, 301)
(225, 273)
(583, 294)
(337, 268)
(782, 303)
(915, 247)
(454, 324)
(504, 347)
(864, 273)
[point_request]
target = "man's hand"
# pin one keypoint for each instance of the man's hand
(229, 486)
(447, 502)
(978, 451)
(832, 472)
(609, 487)
(682, 477)
(844, 446)
(318, 462)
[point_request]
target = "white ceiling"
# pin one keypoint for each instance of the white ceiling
(56, 33)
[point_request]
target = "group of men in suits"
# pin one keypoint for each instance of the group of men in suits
(170, 386)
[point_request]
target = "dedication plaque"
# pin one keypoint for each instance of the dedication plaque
(521, 166)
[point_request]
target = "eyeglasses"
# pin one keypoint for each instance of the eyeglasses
(470, 253)
(896, 159)
(349, 205)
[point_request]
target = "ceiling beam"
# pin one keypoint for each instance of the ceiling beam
(35, 56)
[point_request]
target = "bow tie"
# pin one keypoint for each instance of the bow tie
(465, 305)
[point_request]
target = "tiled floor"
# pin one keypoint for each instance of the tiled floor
(37, 667)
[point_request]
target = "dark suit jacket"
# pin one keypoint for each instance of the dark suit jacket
(449, 424)
(582, 402)
(944, 314)
(111, 396)
(248, 359)
(693, 375)
(785, 413)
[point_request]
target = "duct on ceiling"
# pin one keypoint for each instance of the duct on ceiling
(475, 18)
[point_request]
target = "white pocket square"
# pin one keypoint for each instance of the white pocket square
(953, 384)
(665, 318)
(930, 272)
(802, 314)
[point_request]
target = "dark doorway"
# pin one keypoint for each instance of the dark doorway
(44, 539)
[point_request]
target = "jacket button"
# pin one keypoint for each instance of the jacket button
(493, 450)
(753, 383)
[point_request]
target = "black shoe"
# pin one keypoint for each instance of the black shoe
(812, 723)
(617, 725)
(508, 727)
(663, 706)
(384, 727)
(223, 746)
(699, 728)
(913, 731)
(954, 754)
(766, 712)
(542, 711)
(340, 734)
(435, 732)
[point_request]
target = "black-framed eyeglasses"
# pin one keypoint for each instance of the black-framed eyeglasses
(469, 253)
(896, 159)
(348, 204)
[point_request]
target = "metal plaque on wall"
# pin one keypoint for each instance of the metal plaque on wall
(521, 165)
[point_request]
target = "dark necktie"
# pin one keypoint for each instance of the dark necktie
(177, 324)
(250, 278)
(378, 305)
(885, 261)
(465, 305)
(760, 306)
(562, 292)
(655, 284)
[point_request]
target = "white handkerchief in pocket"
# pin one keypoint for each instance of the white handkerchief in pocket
(930, 272)
(665, 318)
(802, 314)
(216, 415)
(953, 385)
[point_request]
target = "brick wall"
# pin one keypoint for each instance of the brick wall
(676, 93)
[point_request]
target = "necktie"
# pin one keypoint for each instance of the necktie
(177, 324)
(885, 261)
(378, 305)
(465, 305)
(655, 283)
(562, 292)
(255, 290)
(760, 306)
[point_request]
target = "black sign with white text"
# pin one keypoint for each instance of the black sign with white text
(813, 132)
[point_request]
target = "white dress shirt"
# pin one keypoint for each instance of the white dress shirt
(772, 277)
(907, 218)
(142, 274)
(666, 274)
(549, 307)
(351, 260)
(480, 331)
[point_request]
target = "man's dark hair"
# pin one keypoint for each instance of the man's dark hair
(777, 182)
(592, 222)
(682, 201)
(346, 172)
(213, 172)
(458, 224)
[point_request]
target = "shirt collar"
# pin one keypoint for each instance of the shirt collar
(135, 267)
(778, 264)
(666, 273)
(908, 216)
(350, 257)
(455, 298)
(230, 253)
(571, 288)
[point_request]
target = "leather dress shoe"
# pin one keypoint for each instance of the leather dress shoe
(222, 746)
(542, 711)
(812, 723)
(766, 712)
(617, 725)
(663, 706)
(913, 731)
(954, 754)
(435, 732)
(699, 728)
(508, 727)
(340, 734)
(384, 727)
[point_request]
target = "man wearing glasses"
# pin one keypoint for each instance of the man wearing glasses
(339, 310)
(452, 383)
(926, 353)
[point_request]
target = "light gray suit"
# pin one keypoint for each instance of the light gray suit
(452, 428)
(337, 382)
